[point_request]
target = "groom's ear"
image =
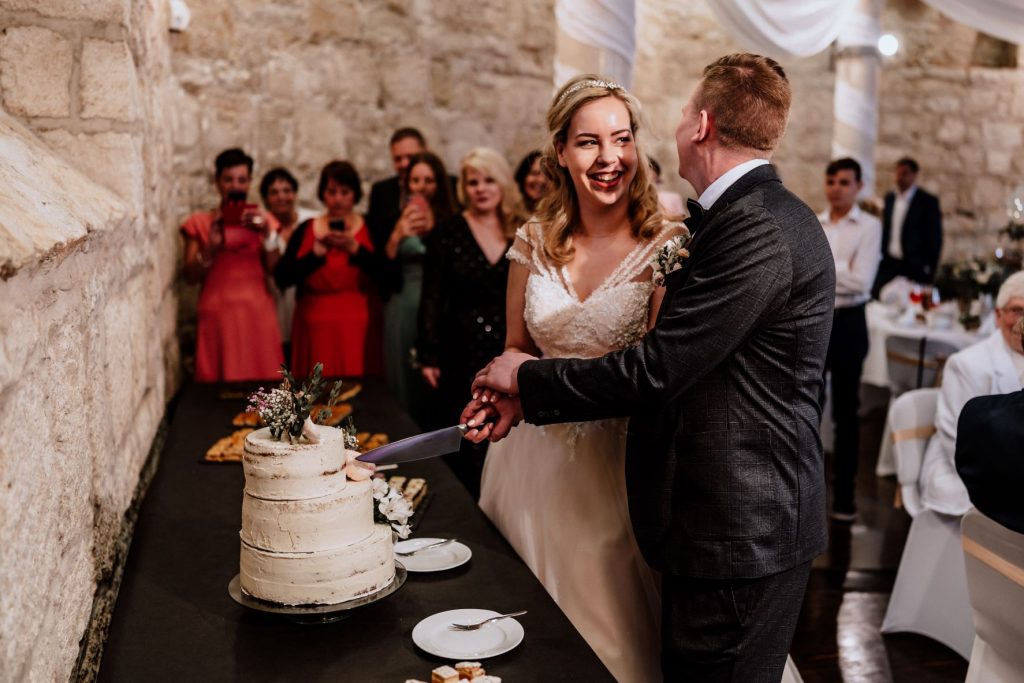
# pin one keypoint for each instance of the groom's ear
(703, 127)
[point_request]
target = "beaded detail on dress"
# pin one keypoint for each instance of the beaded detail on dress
(613, 317)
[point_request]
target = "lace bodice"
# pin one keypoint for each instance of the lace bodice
(613, 317)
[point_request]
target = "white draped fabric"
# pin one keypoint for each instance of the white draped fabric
(782, 28)
(595, 36)
(1003, 19)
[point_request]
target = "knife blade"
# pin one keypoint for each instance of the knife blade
(419, 447)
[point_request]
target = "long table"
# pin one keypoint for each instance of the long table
(174, 619)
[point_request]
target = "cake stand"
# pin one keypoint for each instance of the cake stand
(315, 614)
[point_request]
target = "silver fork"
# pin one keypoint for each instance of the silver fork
(473, 627)
(438, 544)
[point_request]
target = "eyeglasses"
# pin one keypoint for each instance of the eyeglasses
(1013, 311)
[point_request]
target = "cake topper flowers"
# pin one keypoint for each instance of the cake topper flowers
(286, 409)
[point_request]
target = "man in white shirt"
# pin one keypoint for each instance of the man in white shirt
(855, 237)
(991, 366)
(911, 230)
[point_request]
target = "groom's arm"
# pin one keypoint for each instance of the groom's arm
(741, 272)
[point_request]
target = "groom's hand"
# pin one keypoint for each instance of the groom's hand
(501, 374)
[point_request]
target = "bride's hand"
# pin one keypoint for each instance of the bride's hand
(501, 374)
(493, 420)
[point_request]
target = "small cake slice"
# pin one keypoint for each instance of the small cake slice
(469, 670)
(444, 674)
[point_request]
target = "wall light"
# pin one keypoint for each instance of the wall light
(888, 45)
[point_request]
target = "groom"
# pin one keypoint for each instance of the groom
(724, 465)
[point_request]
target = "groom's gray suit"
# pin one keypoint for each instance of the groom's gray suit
(724, 462)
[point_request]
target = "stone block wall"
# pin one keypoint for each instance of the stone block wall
(300, 83)
(88, 347)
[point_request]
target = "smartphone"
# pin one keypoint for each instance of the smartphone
(420, 202)
(233, 208)
(337, 226)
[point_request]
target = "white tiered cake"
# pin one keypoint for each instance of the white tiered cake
(308, 535)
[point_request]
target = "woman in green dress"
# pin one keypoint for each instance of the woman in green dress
(428, 202)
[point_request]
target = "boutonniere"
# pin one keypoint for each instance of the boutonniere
(670, 257)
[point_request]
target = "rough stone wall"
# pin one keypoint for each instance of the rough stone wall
(88, 352)
(302, 82)
(963, 123)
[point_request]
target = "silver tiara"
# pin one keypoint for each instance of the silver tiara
(590, 83)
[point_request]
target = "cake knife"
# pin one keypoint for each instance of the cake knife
(419, 447)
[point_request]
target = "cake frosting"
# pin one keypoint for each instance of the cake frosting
(308, 534)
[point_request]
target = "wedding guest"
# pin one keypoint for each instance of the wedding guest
(911, 230)
(278, 189)
(462, 311)
(229, 251)
(991, 366)
(531, 180)
(331, 261)
(989, 439)
(386, 196)
(671, 202)
(855, 237)
(430, 203)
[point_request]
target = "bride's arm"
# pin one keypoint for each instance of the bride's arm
(517, 337)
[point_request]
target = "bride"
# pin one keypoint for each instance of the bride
(580, 285)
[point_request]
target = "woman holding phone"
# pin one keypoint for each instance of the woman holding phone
(462, 313)
(229, 251)
(429, 203)
(331, 261)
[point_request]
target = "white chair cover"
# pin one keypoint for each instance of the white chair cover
(915, 362)
(910, 425)
(994, 557)
(930, 594)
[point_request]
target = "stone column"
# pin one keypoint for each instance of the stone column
(595, 36)
(858, 68)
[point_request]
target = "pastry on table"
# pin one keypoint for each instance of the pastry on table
(338, 413)
(469, 670)
(247, 419)
(444, 674)
(350, 393)
(228, 449)
(368, 441)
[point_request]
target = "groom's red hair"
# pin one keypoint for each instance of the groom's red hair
(747, 97)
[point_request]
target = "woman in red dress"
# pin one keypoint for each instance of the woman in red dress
(229, 251)
(331, 260)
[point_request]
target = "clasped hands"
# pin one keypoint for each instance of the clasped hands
(495, 407)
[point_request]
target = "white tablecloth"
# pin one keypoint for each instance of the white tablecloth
(884, 322)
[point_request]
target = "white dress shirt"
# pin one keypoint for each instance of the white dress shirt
(716, 189)
(856, 241)
(900, 205)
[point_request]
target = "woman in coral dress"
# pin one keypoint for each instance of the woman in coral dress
(230, 250)
(332, 262)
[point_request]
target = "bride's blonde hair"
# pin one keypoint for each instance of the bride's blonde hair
(558, 211)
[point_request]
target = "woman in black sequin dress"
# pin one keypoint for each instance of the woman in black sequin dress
(462, 311)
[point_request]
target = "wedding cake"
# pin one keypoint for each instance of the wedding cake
(308, 533)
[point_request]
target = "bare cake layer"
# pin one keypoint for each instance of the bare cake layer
(279, 470)
(322, 578)
(324, 523)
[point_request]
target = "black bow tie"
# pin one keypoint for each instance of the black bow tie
(696, 217)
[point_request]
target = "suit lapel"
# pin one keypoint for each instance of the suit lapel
(1006, 380)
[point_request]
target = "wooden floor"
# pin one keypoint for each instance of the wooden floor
(837, 638)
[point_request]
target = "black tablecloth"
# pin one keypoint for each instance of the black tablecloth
(174, 619)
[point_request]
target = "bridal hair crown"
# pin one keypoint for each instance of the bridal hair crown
(590, 83)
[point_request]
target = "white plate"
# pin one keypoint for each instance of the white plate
(448, 556)
(433, 635)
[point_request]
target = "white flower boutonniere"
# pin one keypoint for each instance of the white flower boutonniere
(670, 257)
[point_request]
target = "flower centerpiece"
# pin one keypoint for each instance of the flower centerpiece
(670, 257)
(391, 507)
(966, 281)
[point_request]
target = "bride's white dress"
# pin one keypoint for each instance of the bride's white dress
(558, 494)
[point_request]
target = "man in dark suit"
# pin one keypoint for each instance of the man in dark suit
(724, 461)
(990, 454)
(386, 195)
(911, 230)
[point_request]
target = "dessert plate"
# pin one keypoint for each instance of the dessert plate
(449, 556)
(434, 635)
